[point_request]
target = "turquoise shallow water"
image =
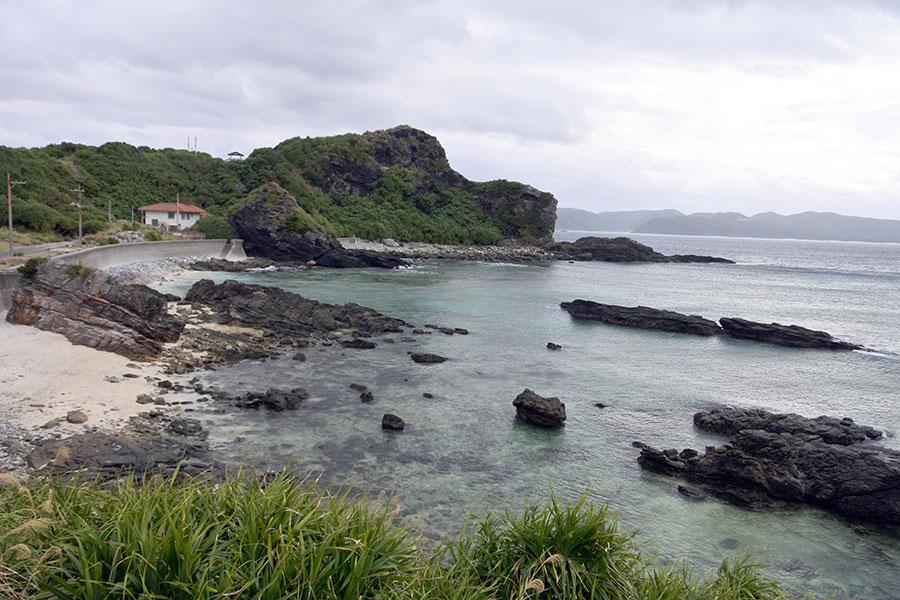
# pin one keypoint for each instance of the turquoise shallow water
(463, 451)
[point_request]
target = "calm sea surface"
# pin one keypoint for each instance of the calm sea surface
(463, 451)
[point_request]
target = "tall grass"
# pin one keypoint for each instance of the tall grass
(280, 537)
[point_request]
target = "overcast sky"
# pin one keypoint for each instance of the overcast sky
(611, 105)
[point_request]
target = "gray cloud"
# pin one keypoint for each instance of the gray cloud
(745, 105)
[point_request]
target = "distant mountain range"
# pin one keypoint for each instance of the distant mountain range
(804, 226)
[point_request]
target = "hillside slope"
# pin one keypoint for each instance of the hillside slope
(393, 183)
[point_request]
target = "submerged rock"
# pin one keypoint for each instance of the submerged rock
(642, 317)
(273, 399)
(783, 335)
(537, 410)
(358, 343)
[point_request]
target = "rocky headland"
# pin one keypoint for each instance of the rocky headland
(620, 249)
(775, 459)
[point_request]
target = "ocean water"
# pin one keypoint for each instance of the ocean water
(463, 451)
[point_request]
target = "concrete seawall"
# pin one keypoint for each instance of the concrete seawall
(104, 257)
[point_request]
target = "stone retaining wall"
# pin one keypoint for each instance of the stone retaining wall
(104, 257)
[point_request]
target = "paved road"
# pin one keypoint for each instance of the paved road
(30, 249)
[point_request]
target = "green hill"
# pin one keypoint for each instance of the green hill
(392, 183)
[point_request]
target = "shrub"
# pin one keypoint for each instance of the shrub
(153, 236)
(215, 227)
(30, 268)
(108, 241)
(79, 270)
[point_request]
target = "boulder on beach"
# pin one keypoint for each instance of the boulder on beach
(537, 410)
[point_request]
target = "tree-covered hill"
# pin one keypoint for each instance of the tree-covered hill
(391, 183)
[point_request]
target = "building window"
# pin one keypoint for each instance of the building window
(171, 215)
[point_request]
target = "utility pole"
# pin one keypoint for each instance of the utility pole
(109, 209)
(78, 204)
(9, 186)
(177, 210)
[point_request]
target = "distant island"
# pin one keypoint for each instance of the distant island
(803, 226)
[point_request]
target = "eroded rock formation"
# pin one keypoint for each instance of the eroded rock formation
(536, 410)
(793, 336)
(641, 317)
(786, 458)
(91, 309)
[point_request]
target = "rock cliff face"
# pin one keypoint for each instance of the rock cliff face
(91, 309)
(274, 226)
(401, 176)
(787, 458)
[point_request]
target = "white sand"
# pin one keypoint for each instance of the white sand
(43, 376)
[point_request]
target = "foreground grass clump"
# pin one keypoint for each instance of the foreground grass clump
(278, 537)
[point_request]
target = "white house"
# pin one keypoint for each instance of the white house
(171, 215)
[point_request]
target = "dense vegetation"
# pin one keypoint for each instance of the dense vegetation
(373, 185)
(280, 538)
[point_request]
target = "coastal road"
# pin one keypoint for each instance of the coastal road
(38, 248)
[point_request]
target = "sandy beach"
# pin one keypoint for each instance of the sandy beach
(43, 377)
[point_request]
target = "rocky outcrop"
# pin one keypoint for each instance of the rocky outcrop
(103, 456)
(642, 317)
(274, 226)
(427, 359)
(793, 336)
(729, 421)
(91, 309)
(286, 313)
(392, 422)
(274, 399)
(760, 468)
(619, 249)
(548, 413)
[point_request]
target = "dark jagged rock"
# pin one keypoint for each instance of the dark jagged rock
(552, 346)
(92, 309)
(619, 249)
(273, 399)
(427, 359)
(763, 469)
(366, 396)
(274, 226)
(271, 308)
(783, 335)
(105, 456)
(830, 429)
(392, 422)
(537, 410)
(642, 317)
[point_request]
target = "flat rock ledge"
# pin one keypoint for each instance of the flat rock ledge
(787, 459)
(643, 317)
(620, 249)
(548, 413)
(793, 336)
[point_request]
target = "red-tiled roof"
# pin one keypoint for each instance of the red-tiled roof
(171, 206)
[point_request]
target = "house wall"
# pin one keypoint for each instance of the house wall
(185, 220)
